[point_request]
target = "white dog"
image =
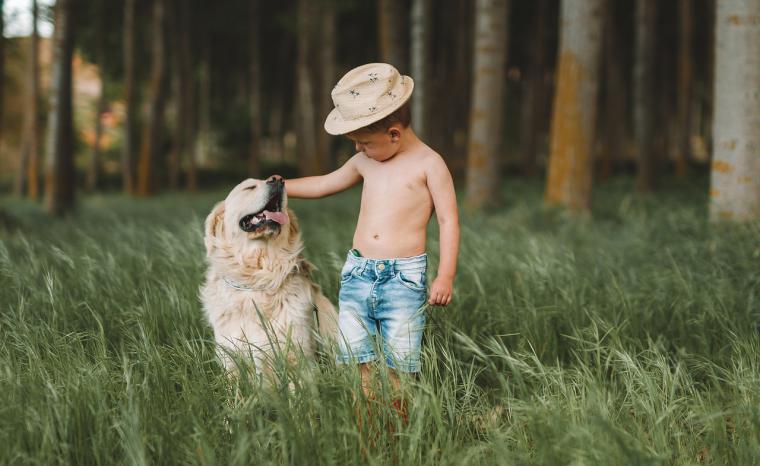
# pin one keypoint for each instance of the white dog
(258, 294)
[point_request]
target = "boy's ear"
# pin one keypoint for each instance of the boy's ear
(214, 227)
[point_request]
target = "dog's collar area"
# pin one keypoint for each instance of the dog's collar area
(245, 287)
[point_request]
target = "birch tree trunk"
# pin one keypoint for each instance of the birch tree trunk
(391, 15)
(735, 175)
(152, 131)
(420, 39)
(59, 163)
(130, 99)
(574, 115)
(685, 77)
(307, 140)
(32, 126)
(483, 152)
(644, 93)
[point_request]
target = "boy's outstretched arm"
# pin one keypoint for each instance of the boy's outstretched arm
(313, 187)
(441, 187)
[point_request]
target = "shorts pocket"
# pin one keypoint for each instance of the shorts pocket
(347, 272)
(412, 279)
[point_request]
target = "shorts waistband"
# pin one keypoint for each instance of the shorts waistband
(418, 262)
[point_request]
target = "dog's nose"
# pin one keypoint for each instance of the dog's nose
(276, 180)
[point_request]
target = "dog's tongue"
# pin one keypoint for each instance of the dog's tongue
(279, 217)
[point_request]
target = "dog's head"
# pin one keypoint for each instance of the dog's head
(254, 215)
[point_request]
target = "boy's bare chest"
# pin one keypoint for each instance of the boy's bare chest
(402, 183)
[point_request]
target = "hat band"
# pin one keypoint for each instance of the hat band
(351, 109)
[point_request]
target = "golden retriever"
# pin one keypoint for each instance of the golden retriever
(258, 294)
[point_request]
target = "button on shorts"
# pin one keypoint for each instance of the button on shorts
(382, 312)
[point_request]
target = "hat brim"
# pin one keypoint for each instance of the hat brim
(336, 125)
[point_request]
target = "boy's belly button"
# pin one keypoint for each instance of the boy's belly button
(376, 236)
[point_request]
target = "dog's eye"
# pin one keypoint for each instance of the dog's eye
(249, 187)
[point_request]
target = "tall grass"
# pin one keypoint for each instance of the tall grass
(627, 338)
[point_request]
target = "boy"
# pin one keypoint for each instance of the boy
(383, 287)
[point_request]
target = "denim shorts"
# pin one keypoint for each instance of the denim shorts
(382, 298)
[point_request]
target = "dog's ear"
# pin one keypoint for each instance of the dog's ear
(214, 227)
(293, 225)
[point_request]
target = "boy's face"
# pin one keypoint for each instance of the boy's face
(379, 146)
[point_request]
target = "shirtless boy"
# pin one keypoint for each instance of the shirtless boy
(383, 282)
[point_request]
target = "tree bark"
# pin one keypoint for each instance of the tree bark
(644, 93)
(685, 77)
(254, 29)
(307, 140)
(152, 131)
(420, 39)
(570, 162)
(483, 152)
(59, 163)
(130, 99)
(735, 174)
(32, 123)
(391, 15)
(532, 105)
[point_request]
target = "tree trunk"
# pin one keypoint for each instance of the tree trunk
(203, 139)
(420, 38)
(254, 29)
(130, 99)
(188, 97)
(574, 116)
(483, 152)
(644, 93)
(152, 131)
(532, 105)
(32, 121)
(685, 77)
(391, 15)
(176, 78)
(2, 69)
(615, 101)
(93, 167)
(735, 176)
(329, 78)
(59, 163)
(307, 140)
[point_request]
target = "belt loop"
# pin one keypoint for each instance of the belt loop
(364, 262)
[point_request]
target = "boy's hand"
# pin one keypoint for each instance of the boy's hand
(441, 291)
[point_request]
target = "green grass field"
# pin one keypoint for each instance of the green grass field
(629, 338)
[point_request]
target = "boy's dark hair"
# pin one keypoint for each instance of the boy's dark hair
(402, 115)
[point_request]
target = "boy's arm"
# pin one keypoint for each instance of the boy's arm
(313, 187)
(441, 187)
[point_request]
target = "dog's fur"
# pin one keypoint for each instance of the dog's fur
(258, 293)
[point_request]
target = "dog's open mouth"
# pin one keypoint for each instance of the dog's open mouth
(270, 216)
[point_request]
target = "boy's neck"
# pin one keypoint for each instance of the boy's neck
(409, 140)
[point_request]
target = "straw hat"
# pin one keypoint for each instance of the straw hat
(365, 95)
